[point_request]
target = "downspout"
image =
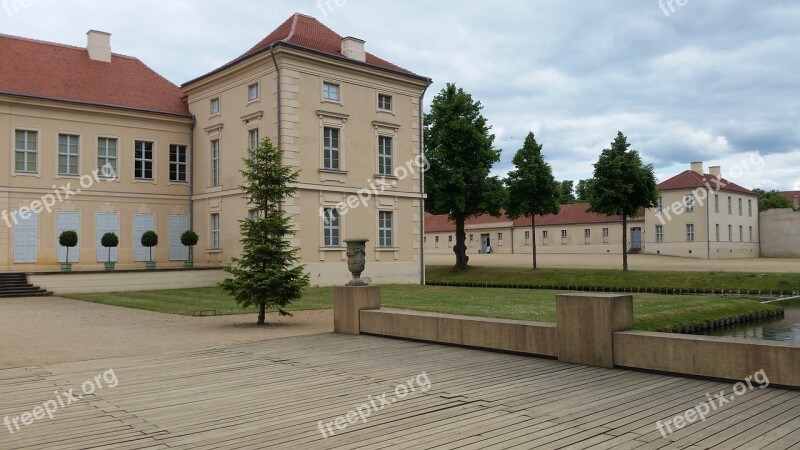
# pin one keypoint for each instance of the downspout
(422, 188)
(191, 174)
(278, 99)
(708, 223)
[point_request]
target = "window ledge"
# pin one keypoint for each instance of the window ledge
(333, 249)
(343, 172)
(214, 250)
(387, 249)
(135, 180)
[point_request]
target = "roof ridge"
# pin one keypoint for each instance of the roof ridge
(58, 44)
(294, 27)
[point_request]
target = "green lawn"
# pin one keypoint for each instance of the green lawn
(652, 311)
(617, 278)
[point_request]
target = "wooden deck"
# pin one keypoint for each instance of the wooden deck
(272, 394)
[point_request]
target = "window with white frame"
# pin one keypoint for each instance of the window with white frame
(253, 215)
(330, 227)
(215, 244)
(740, 207)
(527, 235)
(688, 201)
(717, 231)
(716, 203)
(690, 232)
(605, 235)
(215, 106)
(107, 157)
(499, 236)
(384, 155)
(385, 229)
(587, 235)
(26, 145)
(544, 234)
(449, 238)
(143, 160)
(253, 139)
(741, 233)
(563, 234)
(330, 148)
(385, 102)
(215, 162)
(178, 164)
(659, 205)
(252, 92)
(68, 145)
(330, 91)
(659, 233)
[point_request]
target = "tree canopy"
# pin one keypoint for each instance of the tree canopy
(771, 200)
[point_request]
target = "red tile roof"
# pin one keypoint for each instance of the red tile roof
(307, 33)
(689, 179)
(38, 69)
(572, 214)
(792, 196)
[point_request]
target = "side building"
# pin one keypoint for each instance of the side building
(702, 215)
(346, 119)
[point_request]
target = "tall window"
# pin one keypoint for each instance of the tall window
(563, 234)
(385, 228)
(330, 227)
(690, 232)
(385, 102)
(741, 233)
(253, 140)
(143, 160)
(716, 203)
(107, 157)
(717, 230)
(25, 151)
(544, 234)
(177, 163)
(67, 154)
(214, 106)
(499, 236)
(751, 235)
(688, 201)
(740, 207)
(215, 162)
(730, 205)
(330, 91)
(587, 235)
(252, 92)
(605, 235)
(384, 155)
(215, 231)
(527, 235)
(659, 233)
(750, 208)
(730, 233)
(331, 148)
(659, 204)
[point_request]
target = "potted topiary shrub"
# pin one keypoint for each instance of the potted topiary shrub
(150, 240)
(67, 239)
(109, 240)
(189, 238)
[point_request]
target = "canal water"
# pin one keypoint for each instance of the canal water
(786, 328)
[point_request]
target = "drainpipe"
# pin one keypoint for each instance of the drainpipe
(708, 222)
(191, 173)
(278, 98)
(422, 188)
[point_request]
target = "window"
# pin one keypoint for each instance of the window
(659, 233)
(750, 207)
(605, 235)
(68, 154)
(751, 235)
(730, 206)
(527, 235)
(107, 157)
(544, 234)
(740, 206)
(690, 232)
(215, 231)
(471, 238)
(716, 203)
(436, 239)
(499, 236)
(215, 162)
(730, 233)
(331, 148)
(330, 91)
(177, 163)
(563, 234)
(253, 140)
(178, 224)
(385, 229)
(143, 160)
(741, 233)
(688, 201)
(450, 238)
(252, 92)
(659, 204)
(587, 236)
(717, 231)
(25, 151)
(384, 155)
(214, 106)
(253, 215)
(330, 228)
(385, 102)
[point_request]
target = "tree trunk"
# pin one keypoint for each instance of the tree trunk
(533, 238)
(262, 313)
(624, 243)
(460, 249)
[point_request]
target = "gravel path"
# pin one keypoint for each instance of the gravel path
(47, 330)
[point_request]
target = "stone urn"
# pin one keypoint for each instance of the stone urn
(356, 260)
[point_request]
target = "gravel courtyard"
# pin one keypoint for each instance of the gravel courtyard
(47, 330)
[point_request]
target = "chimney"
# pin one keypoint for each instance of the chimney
(99, 45)
(716, 171)
(353, 48)
(698, 167)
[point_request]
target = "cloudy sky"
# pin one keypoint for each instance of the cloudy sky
(686, 80)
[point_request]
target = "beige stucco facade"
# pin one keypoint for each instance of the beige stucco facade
(355, 189)
(780, 233)
(85, 196)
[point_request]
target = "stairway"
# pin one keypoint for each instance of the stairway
(15, 284)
